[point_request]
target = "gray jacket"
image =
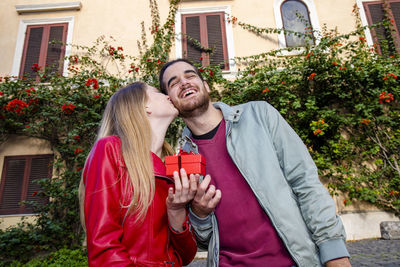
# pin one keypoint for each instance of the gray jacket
(280, 171)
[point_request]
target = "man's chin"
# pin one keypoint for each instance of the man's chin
(193, 111)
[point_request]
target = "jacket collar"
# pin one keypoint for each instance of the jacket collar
(158, 165)
(230, 114)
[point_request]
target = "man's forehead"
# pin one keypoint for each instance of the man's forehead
(179, 67)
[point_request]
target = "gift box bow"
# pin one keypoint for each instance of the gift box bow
(191, 162)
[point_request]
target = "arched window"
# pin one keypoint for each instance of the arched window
(296, 18)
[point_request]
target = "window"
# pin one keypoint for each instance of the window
(43, 45)
(295, 17)
(376, 12)
(208, 29)
(17, 182)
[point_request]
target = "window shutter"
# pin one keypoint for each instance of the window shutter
(39, 170)
(193, 53)
(12, 188)
(377, 15)
(215, 42)
(395, 7)
(54, 50)
(33, 46)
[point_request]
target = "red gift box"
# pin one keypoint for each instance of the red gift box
(192, 163)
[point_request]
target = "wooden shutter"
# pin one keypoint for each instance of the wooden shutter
(209, 30)
(375, 14)
(44, 46)
(192, 28)
(55, 51)
(215, 34)
(395, 8)
(17, 184)
(40, 168)
(33, 43)
(12, 186)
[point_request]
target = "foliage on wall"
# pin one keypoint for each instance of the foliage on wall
(341, 96)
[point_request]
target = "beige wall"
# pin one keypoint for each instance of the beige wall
(122, 20)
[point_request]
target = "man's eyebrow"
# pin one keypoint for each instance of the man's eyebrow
(174, 77)
(170, 80)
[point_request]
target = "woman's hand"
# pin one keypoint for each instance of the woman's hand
(185, 190)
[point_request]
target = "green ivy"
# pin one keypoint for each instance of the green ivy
(341, 97)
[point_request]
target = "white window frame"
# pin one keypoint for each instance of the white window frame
(24, 23)
(228, 30)
(279, 25)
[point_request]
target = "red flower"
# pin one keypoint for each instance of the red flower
(148, 59)
(309, 54)
(16, 106)
(34, 194)
(78, 151)
(33, 101)
(78, 169)
(334, 63)
(68, 108)
(311, 77)
(390, 75)
(137, 69)
(94, 82)
(317, 132)
(385, 97)
(97, 96)
(265, 90)
(365, 121)
(36, 67)
(27, 126)
(283, 83)
(120, 48)
(1, 93)
(76, 137)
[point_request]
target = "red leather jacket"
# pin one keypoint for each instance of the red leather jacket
(113, 241)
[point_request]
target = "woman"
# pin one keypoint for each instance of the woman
(132, 215)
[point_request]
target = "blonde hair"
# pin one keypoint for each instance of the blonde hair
(125, 117)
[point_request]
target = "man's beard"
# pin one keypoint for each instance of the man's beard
(196, 108)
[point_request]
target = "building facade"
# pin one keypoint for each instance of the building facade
(32, 32)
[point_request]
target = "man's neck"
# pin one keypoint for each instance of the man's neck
(204, 122)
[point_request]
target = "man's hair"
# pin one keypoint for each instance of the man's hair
(163, 87)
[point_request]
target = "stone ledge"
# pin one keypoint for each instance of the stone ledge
(390, 230)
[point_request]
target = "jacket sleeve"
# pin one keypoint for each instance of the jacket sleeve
(102, 207)
(184, 243)
(302, 175)
(202, 228)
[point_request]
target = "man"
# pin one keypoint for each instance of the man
(272, 209)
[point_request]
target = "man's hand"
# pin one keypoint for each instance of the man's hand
(206, 198)
(185, 190)
(341, 262)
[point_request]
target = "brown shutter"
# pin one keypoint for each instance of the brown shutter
(395, 7)
(40, 169)
(192, 24)
(12, 186)
(215, 40)
(55, 49)
(376, 14)
(17, 184)
(33, 45)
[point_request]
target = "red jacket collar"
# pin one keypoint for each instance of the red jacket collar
(158, 165)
